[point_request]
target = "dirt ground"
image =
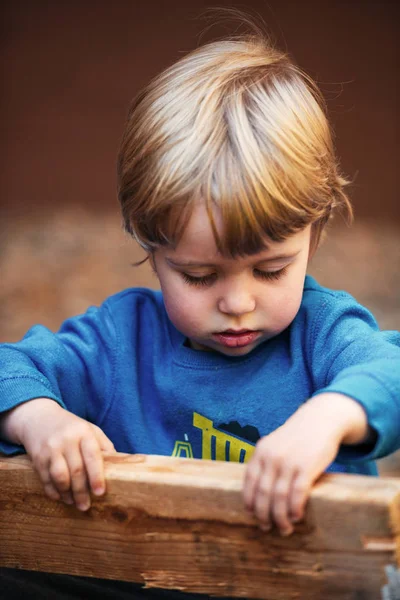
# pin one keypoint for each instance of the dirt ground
(56, 265)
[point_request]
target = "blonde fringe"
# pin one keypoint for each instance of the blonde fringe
(237, 125)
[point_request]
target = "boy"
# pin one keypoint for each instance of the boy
(227, 177)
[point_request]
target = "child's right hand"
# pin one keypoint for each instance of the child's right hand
(66, 451)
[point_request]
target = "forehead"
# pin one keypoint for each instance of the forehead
(198, 243)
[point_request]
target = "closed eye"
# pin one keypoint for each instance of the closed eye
(270, 275)
(204, 280)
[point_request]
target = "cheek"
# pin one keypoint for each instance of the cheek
(285, 308)
(292, 294)
(289, 306)
(183, 309)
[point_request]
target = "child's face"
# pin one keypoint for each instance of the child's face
(225, 304)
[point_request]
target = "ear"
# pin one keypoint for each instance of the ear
(151, 257)
(313, 248)
(317, 235)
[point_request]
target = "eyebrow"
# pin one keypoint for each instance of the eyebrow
(193, 263)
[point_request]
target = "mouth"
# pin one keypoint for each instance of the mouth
(236, 338)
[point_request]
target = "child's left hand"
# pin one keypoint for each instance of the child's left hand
(286, 463)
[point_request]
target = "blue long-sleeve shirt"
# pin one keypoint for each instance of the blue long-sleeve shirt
(125, 367)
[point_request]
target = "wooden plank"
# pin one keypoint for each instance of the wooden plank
(180, 523)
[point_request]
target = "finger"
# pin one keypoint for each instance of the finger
(280, 502)
(104, 442)
(79, 483)
(263, 496)
(42, 468)
(298, 497)
(67, 498)
(252, 475)
(94, 464)
(59, 474)
(51, 491)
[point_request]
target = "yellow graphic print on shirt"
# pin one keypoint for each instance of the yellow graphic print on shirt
(183, 449)
(227, 447)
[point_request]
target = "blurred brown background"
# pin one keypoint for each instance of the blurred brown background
(69, 70)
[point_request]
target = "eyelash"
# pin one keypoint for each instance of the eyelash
(199, 281)
(208, 280)
(270, 275)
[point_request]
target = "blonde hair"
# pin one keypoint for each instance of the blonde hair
(238, 125)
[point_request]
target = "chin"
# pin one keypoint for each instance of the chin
(225, 350)
(239, 351)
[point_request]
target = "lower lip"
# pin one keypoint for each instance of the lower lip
(231, 340)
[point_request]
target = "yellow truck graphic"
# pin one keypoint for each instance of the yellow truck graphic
(227, 447)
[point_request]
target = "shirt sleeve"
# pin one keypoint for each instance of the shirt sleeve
(351, 356)
(74, 367)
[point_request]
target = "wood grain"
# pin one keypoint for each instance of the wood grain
(180, 523)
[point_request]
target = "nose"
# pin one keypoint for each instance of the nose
(236, 300)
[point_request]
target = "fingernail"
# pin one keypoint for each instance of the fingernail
(286, 532)
(68, 501)
(99, 491)
(83, 506)
(295, 519)
(265, 527)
